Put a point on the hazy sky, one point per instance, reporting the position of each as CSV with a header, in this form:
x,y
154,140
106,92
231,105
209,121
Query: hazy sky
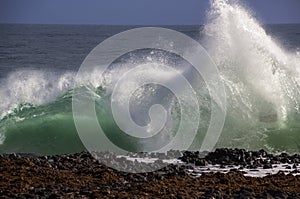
x,y
142,12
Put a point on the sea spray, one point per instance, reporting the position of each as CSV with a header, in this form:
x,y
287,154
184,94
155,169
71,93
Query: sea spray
x,y
262,78
33,86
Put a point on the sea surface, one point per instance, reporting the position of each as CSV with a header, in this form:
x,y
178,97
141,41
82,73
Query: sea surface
x,y
259,66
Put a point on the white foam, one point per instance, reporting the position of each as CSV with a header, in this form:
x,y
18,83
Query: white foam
x,y
33,86
255,68
198,171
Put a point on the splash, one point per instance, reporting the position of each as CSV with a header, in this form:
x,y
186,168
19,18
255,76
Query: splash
x,y
261,77
34,86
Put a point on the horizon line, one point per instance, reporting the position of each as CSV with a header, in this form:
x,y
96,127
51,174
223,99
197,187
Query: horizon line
x,y
95,24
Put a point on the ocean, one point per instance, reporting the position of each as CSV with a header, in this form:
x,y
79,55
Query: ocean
x,y
258,64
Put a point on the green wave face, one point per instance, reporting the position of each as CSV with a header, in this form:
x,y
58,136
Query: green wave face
x,y
45,129
50,129
47,134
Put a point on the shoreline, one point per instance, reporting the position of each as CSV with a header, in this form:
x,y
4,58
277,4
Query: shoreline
x,y
82,176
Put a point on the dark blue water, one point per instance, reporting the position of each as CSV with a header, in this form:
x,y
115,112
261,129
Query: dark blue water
x,y
64,47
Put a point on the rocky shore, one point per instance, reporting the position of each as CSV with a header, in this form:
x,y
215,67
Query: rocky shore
x,y
82,176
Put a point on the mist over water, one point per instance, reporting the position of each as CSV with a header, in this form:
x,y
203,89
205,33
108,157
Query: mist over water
x,y
261,77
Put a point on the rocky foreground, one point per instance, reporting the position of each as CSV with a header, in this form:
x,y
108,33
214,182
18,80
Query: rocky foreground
x,y
82,176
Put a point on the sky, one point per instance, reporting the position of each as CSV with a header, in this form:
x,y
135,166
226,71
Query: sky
x,y
135,12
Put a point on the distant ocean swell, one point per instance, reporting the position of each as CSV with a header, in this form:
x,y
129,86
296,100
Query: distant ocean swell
x,y
262,82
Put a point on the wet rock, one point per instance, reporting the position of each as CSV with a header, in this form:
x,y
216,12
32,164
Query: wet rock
x,y
288,167
294,166
267,166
